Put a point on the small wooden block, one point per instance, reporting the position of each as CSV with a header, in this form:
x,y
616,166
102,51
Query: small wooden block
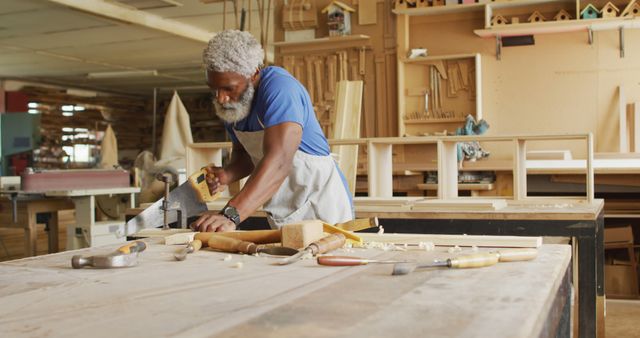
x,y
179,238
300,235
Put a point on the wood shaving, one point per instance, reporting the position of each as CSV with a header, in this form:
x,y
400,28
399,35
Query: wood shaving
x,y
227,258
426,246
380,230
454,249
238,265
474,248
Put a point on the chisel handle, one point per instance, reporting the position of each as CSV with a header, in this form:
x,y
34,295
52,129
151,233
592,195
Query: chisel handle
x,y
515,255
253,236
135,246
326,244
474,261
229,244
196,244
341,261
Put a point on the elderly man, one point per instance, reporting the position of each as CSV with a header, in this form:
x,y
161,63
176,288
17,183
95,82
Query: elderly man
x,y
276,139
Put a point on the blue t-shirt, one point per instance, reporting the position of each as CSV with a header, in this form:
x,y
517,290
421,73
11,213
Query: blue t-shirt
x,y
281,98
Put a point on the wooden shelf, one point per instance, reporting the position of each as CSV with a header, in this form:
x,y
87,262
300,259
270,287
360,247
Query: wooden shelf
x,y
328,41
559,27
440,10
433,58
435,120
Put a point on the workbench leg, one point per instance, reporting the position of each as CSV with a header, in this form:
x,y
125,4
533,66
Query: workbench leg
x,y
31,232
53,232
587,289
600,305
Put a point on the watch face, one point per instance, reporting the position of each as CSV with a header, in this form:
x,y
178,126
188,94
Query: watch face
x,y
231,213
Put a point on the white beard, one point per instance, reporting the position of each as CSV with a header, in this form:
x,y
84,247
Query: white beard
x,y
231,112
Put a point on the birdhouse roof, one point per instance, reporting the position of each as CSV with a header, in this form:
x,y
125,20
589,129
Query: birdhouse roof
x,y
538,14
610,4
631,5
589,6
499,17
562,11
339,4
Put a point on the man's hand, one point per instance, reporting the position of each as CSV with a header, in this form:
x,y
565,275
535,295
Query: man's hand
x,y
217,179
211,221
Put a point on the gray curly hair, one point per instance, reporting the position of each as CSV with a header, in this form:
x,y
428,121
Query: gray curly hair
x,y
233,51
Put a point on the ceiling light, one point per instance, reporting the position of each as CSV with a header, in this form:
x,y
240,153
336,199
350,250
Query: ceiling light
x,y
33,111
32,105
67,113
121,74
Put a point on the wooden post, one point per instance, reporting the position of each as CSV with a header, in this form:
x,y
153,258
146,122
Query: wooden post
x,y
519,170
447,170
380,163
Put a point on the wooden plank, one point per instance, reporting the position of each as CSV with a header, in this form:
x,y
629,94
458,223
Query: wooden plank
x,y
622,121
519,170
635,118
475,204
447,170
367,12
348,111
452,240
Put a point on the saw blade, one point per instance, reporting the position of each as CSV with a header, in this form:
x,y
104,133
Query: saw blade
x,y
153,216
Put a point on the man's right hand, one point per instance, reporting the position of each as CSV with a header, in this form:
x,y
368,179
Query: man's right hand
x,y
217,179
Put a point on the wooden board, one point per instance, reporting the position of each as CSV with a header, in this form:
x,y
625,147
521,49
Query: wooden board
x,y
475,204
367,12
459,240
348,111
206,296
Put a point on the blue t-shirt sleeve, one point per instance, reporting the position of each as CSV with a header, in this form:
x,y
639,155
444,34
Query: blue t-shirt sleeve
x,y
282,102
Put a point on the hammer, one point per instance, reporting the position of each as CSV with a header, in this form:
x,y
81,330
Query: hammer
x,y
126,255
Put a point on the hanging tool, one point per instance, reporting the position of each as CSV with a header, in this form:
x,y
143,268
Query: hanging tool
x,y
326,244
192,247
470,261
126,255
354,261
191,197
228,244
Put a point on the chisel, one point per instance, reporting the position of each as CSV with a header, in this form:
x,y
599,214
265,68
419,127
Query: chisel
x,y
470,261
192,247
326,244
353,261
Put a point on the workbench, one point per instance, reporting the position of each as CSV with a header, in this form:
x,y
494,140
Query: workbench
x,y
206,296
87,232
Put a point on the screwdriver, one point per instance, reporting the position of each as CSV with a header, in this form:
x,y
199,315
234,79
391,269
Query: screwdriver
x,y
326,244
470,261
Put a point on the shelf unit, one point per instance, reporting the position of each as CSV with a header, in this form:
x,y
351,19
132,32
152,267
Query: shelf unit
x,y
450,85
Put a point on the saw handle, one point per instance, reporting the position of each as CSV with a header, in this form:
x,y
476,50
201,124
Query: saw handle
x,y
341,261
515,255
228,244
198,182
135,246
326,244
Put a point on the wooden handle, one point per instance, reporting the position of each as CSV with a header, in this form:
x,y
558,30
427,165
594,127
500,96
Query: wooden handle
x,y
196,244
359,224
229,244
514,255
341,261
329,243
253,236
135,246
474,261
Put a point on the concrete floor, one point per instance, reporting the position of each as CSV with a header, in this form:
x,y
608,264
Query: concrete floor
x,y
622,318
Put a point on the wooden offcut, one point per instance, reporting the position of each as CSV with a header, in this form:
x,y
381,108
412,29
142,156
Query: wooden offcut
x,y
299,235
460,240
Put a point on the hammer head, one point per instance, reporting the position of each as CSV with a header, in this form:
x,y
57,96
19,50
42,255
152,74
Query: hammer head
x,y
105,261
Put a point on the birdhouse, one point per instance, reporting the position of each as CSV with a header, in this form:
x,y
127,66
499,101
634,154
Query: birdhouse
x,y
404,4
299,16
562,16
422,3
632,9
536,17
499,20
609,10
437,2
590,12
339,18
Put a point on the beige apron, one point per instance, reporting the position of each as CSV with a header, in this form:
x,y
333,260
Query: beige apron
x,y
313,189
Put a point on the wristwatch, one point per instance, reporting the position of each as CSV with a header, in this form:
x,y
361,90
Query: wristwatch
x,y
231,213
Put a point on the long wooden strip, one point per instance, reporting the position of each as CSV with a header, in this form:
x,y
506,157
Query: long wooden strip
x,y
452,240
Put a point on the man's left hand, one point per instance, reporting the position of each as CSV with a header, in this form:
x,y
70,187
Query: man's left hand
x,y
212,221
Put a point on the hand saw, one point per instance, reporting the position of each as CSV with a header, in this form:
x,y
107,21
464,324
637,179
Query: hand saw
x,y
190,198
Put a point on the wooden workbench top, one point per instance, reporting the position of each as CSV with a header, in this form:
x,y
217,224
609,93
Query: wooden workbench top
x,y
206,296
